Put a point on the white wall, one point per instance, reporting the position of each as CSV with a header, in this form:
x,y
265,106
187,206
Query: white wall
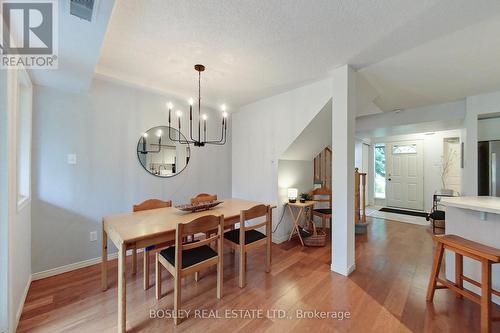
x,y
15,221
296,174
433,152
438,117
476,105
363,160
262,131
102,128
4,179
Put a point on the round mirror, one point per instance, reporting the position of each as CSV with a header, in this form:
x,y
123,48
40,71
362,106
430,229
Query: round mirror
x,y
160,152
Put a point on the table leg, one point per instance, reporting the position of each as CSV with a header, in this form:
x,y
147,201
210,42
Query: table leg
x,y
296,221
104,260
297,225
293,220
145,262
122,288
134,260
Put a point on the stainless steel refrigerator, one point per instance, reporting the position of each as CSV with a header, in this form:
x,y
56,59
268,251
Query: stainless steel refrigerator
x,y
488,163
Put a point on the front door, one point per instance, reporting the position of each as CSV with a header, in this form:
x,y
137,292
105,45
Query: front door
x,y
404,175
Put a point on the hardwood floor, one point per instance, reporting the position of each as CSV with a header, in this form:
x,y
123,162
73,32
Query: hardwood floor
x,y
386,293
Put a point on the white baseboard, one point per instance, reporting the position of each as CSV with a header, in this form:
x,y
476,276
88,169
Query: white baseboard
x,y
343,270
277,239
21,304
73,266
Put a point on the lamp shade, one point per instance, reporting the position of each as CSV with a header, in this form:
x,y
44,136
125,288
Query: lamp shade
x,y
293,193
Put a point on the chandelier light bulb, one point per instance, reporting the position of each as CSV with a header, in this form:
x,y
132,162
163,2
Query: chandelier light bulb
x,y
159,133
191,101
170,105
145,135
204,116
179,113
223,107
224,114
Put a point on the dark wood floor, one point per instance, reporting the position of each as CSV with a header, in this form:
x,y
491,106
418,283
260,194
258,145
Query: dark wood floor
x,y
386,293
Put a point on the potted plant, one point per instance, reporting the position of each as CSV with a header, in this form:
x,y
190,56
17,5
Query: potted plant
x,y
305,197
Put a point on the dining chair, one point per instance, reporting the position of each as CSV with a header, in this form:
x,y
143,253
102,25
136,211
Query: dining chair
x,y
188,258
203,197
324,213
199,198
147,205
246,238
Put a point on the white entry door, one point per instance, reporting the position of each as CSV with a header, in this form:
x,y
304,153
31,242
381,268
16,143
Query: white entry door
x,y
404,175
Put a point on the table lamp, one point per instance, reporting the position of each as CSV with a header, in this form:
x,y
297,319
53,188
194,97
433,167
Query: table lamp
x,y
292,195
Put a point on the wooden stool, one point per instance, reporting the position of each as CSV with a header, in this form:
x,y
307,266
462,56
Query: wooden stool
x,y
487,255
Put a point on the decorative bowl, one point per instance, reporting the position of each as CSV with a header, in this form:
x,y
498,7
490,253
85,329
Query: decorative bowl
x,y
199,206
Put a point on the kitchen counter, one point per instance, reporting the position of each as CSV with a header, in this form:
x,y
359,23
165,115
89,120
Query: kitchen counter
x,y
477,219
480,204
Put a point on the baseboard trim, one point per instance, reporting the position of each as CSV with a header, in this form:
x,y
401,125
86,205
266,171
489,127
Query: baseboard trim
x,y
343,270
21,304
71,267
277,239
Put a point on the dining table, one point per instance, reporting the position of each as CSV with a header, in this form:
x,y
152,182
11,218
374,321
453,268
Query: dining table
x,y
154,227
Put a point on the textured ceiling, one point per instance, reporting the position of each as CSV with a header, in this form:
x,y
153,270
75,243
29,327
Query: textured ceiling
x,y
254,49
460,64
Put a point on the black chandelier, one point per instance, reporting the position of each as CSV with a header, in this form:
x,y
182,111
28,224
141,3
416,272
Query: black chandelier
x,y
197,142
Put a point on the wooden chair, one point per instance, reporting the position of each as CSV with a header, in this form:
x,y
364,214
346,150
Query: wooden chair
x,y
246,238
487,255
188,258
324,213
203,197
147,205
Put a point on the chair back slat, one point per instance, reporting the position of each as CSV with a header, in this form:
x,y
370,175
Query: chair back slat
x,y
255,212
199,243
256,226
201,224
203,197
319,195
152,204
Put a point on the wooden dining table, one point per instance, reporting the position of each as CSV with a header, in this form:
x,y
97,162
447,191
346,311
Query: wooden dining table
x,y
153,227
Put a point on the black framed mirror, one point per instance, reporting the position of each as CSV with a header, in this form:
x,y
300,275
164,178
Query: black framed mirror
x,y
161,156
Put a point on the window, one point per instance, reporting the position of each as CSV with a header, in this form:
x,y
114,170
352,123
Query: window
x,y
404,149
379,171
23,142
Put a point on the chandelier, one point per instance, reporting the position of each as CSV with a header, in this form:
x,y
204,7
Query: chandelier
x,y
199,141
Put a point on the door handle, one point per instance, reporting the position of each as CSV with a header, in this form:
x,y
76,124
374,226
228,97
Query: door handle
x,y
389,179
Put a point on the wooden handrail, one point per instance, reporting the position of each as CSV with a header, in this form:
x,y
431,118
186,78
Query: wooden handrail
x,y
359,196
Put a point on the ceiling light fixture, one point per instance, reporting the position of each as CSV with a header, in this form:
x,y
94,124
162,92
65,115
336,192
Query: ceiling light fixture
x,y
198,142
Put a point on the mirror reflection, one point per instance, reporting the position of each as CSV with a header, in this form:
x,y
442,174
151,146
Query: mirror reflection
x,y
160,154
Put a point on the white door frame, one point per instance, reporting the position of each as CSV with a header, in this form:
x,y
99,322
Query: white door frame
x,y
402,200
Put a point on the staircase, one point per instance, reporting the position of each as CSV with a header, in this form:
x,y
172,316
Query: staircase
x,y
323,177
323,169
